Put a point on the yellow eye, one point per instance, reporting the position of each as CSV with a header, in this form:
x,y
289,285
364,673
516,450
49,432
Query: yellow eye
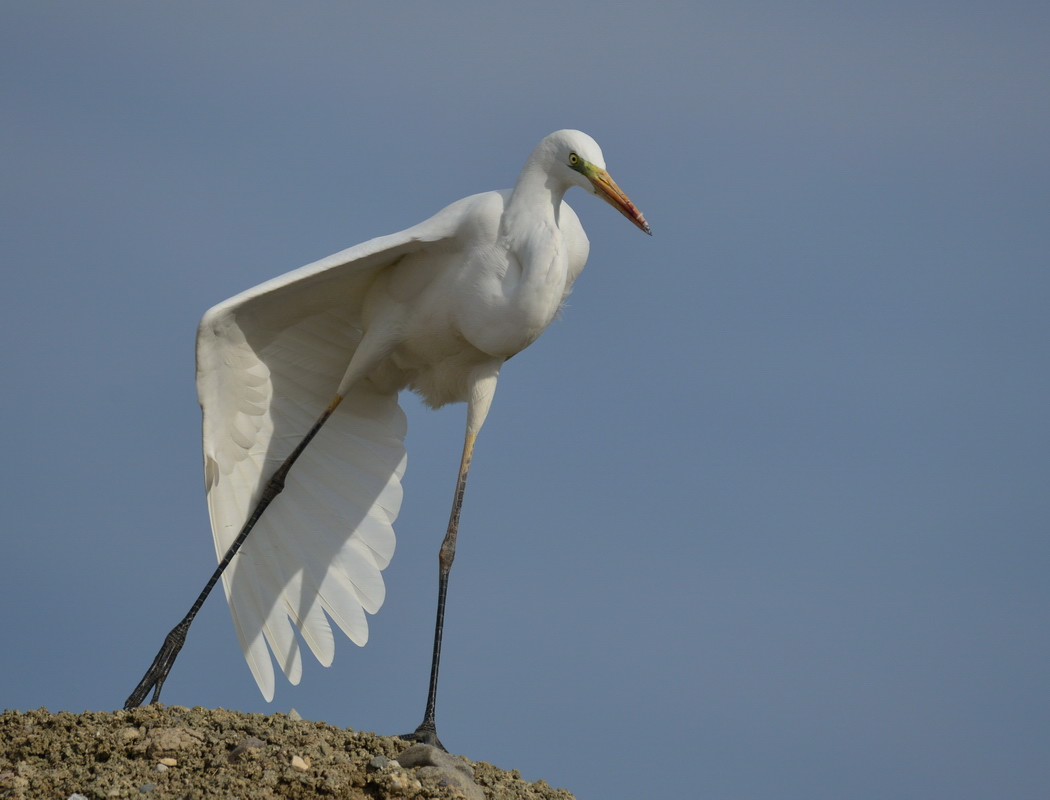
x,y
574,159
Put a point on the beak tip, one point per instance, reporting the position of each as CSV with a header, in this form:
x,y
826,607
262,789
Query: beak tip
x,y
605,187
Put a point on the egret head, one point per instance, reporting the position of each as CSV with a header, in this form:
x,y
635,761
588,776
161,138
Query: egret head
x,y
577,160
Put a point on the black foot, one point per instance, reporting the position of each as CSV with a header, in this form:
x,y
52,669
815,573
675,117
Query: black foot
x,y
424,734
159,669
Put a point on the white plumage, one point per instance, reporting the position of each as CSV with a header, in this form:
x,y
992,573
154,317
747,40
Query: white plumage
x,y
321,544
437,309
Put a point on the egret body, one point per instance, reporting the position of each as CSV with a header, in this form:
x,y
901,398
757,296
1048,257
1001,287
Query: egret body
x,y
305,369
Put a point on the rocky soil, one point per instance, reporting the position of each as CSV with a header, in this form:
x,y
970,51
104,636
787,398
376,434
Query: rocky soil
x,y
177,753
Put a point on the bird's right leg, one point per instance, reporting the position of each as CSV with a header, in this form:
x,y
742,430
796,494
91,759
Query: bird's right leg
x,y
482,389
376,345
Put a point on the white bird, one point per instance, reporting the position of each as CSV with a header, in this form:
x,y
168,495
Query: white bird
x,y
437,309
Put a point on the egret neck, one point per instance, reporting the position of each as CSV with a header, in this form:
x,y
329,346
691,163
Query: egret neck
x,y
537,275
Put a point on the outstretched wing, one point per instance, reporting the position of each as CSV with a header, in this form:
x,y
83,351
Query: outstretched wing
x,y
268,363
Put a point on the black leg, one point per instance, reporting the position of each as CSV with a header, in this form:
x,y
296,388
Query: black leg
x,y
427,730
161,666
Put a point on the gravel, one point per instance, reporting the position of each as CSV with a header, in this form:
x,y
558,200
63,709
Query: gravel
x,y
176,753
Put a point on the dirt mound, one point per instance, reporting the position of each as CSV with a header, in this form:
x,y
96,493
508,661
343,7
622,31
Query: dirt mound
x,y
177,753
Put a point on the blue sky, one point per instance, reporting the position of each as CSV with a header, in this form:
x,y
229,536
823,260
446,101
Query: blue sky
x,y
765,515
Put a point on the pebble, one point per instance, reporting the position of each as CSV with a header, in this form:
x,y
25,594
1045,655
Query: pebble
x,y
425,755
76,796
127,734
160,768
439,768
169,762
294,715
163,742
300,764
402,783
244,746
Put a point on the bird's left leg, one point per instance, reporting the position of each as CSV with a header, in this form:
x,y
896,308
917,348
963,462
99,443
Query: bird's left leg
x,y
378,342
482,388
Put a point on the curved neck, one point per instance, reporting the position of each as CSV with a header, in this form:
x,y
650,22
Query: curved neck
x,y
536,197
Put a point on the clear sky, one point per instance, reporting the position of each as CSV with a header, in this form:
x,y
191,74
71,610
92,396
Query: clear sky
x,y
765,515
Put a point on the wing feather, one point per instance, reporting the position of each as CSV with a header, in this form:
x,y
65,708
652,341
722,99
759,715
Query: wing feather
x,y
268,363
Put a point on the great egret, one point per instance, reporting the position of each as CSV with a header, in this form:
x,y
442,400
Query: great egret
x,y
437,309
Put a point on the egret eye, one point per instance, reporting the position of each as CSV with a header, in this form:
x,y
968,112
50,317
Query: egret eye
x,y
573,159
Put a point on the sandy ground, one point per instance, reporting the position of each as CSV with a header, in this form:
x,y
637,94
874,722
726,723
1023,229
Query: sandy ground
x,y
177,753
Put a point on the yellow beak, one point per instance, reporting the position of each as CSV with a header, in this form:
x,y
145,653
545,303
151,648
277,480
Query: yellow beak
x,y
607,189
